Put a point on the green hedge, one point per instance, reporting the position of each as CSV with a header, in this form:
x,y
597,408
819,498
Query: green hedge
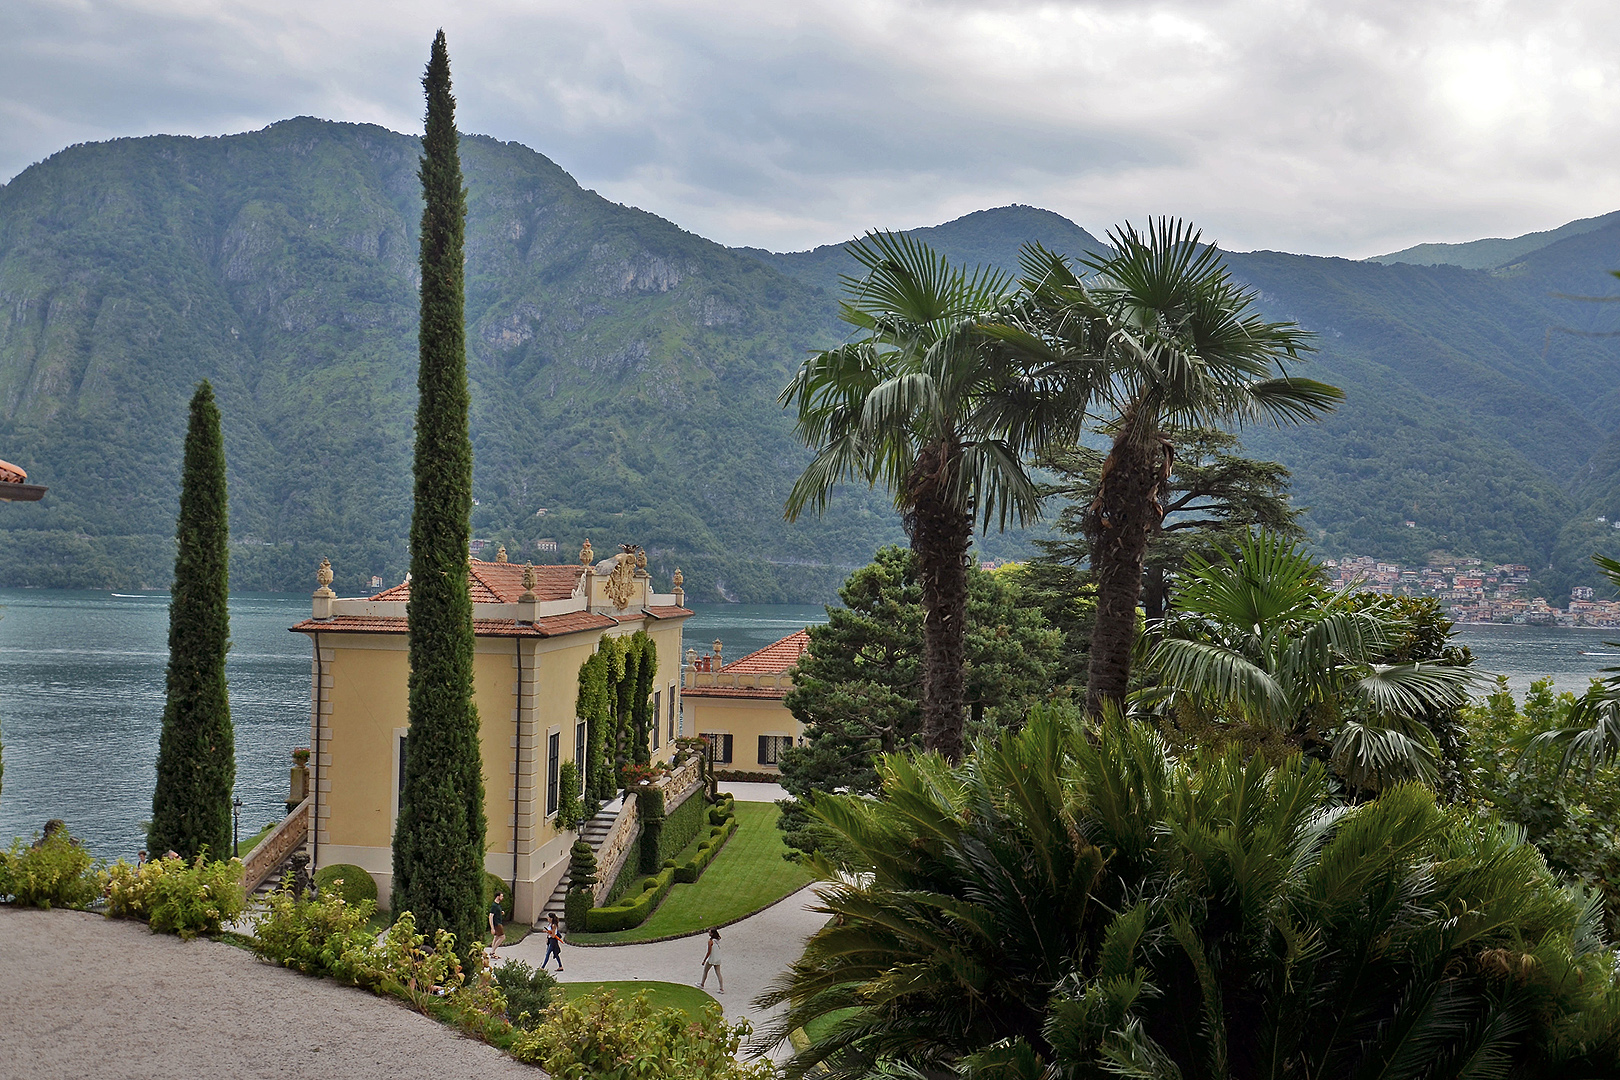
x,y
718,835
358,885
631,911
725,808
682,826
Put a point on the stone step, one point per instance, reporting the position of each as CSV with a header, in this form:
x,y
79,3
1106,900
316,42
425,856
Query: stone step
x,y
595,831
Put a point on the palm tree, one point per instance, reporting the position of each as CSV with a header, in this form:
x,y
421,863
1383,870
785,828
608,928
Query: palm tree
x,y
1163,337
1074,902
922,402
1593,732
1256,637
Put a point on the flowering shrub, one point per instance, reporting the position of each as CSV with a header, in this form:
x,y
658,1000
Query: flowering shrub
x,y
58,872
635,774
175,897
607,1037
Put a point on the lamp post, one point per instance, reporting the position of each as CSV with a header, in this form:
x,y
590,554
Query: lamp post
x,y
236,827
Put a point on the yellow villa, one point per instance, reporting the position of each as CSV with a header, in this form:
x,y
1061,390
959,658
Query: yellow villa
x,y
535,626
738,706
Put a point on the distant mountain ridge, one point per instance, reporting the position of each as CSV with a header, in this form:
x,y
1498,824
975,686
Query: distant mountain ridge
x,y
1493,252
625,373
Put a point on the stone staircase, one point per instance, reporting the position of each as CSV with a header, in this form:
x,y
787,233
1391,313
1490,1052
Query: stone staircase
x,y
595,831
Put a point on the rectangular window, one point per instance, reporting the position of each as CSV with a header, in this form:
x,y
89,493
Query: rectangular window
x,y
399,792
672,711
719,746
658,707
771,747
579,749
553,762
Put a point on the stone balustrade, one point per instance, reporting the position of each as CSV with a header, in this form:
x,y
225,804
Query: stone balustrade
x,y
273,850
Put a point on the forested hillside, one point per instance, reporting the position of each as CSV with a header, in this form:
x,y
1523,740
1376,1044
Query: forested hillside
x,y
1483,405
625,372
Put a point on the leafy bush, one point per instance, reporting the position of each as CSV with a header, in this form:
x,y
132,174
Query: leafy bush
x,y
351,882
322,936
633,910
176,897
529,992
410,971
56,872
1573,817
606,1037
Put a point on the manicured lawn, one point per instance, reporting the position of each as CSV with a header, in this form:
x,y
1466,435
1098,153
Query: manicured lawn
x,y
747,875
662,995
248,843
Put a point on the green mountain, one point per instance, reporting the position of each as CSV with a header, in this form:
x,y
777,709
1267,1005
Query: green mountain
x,y
1491,253
1483,406
625,373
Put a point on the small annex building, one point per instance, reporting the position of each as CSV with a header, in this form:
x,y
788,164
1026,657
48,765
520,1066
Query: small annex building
x,y
738,707
534,627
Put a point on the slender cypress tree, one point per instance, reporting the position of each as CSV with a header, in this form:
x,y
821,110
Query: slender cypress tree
x,y
196,766
439,839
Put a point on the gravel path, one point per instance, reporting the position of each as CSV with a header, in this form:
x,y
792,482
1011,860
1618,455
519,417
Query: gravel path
x,y
755,951
90,998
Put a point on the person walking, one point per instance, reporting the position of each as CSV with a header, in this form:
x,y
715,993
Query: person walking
x,y
711,959
554,938
497,923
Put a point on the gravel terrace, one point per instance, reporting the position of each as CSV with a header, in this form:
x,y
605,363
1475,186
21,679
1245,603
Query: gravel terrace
x,y
91,998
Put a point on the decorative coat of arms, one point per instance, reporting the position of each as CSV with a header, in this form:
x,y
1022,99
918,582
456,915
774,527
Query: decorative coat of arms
x,y
621,583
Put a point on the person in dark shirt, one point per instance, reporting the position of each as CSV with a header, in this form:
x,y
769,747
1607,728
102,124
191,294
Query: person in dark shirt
x,y
497,924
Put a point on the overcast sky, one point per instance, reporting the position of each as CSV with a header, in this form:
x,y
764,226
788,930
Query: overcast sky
x,y
1344,127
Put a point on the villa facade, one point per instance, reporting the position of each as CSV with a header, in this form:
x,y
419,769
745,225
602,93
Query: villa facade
x,y
739,706
534,627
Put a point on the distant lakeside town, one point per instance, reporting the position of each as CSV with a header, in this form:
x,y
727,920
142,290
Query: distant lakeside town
x,y
1471,592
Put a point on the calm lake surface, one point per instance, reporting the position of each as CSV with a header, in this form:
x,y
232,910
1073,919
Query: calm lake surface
x,y
81,696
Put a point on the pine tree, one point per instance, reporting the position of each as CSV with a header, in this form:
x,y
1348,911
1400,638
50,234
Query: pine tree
x,y
196,766
439,839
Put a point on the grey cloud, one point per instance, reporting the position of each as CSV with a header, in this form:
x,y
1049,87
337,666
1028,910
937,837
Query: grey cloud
x,y
1350,127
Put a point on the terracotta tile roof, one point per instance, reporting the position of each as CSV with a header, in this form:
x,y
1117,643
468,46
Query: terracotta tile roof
x,y
733,692
661,611
772,659
572,622
502,583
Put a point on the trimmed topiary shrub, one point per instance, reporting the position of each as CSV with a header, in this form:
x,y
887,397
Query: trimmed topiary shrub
x,y
650,809
348,881
633,910
690,871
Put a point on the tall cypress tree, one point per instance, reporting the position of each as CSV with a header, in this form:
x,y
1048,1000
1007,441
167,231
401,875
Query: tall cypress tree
x,y
196,766
439,837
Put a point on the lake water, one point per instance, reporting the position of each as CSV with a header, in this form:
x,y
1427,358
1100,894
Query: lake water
x,y
81,696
